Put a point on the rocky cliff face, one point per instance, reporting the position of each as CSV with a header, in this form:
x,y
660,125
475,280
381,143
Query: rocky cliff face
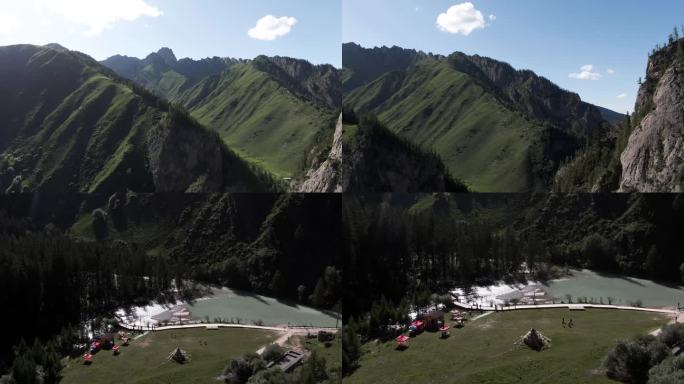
x,y
653,160
319,84
376,160
184,159
325,178
534,95
162,73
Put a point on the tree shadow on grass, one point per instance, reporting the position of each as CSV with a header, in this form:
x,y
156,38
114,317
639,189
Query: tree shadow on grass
x,y
250,295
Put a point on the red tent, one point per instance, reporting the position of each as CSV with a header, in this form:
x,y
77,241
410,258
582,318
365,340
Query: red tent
x,y
116,349
95,346
87,358
402,341
419,324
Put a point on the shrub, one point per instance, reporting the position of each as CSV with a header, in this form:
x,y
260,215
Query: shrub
x,y
630,360
272,352
672,335
670,371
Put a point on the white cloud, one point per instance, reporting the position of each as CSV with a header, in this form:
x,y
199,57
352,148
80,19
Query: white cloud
x,y
586,73
8,23
492,17
622,96
610,71
270,27
99,15
461,19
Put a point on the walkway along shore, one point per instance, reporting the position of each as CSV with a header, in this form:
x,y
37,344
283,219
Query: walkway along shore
x,y
569,306
298,329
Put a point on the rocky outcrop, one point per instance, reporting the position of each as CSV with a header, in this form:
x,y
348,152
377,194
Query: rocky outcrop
x,y
653,160
534,95
319,84
184,159
326,177
149,71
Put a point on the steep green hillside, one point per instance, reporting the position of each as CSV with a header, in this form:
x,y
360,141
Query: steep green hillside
x,y
70,124
496,128
376,160
264,121
273,111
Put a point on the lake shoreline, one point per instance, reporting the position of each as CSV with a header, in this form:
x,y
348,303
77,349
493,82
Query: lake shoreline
x,y
580,286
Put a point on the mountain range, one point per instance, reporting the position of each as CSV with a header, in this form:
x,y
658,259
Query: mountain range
x,y
497,128
72,124
276,112
433,123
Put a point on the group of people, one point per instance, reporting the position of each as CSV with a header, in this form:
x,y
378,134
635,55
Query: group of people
x,y
570,323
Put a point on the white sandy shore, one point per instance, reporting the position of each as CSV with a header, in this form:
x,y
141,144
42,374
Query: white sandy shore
x,y
487,295
142,316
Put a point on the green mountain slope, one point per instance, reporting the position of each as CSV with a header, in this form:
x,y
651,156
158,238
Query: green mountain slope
x,y
496,128
273,111
70,124
376,160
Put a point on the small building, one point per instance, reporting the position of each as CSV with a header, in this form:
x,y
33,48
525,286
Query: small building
x,y
288,361
433,320
107,341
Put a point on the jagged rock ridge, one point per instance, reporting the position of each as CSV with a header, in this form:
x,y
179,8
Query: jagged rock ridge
x,y
325,178
653,160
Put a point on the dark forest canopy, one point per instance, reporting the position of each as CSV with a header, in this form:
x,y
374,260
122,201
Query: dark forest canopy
x,y
70,258
400,246
270,243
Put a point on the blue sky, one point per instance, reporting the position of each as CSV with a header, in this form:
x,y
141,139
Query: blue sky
x,y
551,37
308,29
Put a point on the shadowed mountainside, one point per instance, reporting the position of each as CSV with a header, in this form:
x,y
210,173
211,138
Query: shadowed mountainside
x,y
70,124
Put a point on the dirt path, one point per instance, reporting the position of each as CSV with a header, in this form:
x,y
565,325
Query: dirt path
x,y
679,319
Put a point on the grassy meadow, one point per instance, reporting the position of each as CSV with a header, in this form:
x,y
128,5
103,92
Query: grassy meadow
x,y
485,350
145,360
